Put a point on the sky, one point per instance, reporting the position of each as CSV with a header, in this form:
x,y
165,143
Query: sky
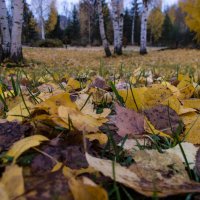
x,y
127,2
166,2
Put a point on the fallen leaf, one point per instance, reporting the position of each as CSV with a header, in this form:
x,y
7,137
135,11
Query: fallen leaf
x,y
134,144
191,103
3,193
23,145
11,132
73,84
100,96
80,121
134,98
101,137
99,82
88,190
20,111
49,186
190,152
128,122
164,119
186,87
51,105
192,127
176,92
149,128
150,174
85,104
13,182
47,87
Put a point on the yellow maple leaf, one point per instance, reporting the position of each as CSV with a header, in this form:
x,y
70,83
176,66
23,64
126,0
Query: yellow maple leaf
x,y
51,105
85,104
101,137
192,127
73,84
23,145
191,103
134,98
186,87
20,111
80,121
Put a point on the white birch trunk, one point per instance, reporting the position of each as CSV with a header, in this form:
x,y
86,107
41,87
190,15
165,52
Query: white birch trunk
x,y
16,45
121,25
89,29
143,35
42,29
102,29
133,23
118,22
4,30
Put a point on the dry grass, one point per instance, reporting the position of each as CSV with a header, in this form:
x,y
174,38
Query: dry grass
x,y
88,57
81,60
75,61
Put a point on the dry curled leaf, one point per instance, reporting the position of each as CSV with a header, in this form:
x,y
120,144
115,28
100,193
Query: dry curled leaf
x,y
153,172
190,152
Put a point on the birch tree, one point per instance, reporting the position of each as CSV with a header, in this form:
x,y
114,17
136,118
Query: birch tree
x,y
41,10
11,40
133,22
16,33
118,22
102,29
5,32
143,35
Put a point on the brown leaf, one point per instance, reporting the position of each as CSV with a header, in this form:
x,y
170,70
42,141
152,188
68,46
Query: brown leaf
x,y
99,82
68,150
48,187
11,132
163,118
128,122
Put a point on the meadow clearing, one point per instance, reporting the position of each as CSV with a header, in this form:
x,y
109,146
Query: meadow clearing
x,y
83,125
75,59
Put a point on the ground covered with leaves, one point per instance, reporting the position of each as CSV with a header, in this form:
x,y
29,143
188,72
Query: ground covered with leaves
x,y
101,132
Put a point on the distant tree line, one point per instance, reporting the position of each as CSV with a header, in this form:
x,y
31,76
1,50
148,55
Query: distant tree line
x,y
94,22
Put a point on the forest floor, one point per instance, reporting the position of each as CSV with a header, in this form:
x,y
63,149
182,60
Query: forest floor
x,y
75,125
